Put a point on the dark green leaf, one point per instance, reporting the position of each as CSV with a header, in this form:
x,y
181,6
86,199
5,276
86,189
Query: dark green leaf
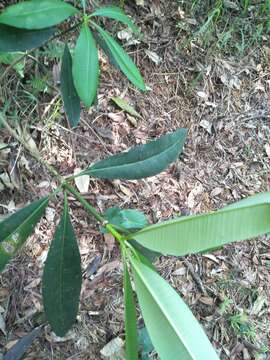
x,y
174,331
85,66
190,234
149,254
116,13
145,343
37,14
130,319
141,161
68,91
13,39
123,60
106,49
15,229
62,277
17,351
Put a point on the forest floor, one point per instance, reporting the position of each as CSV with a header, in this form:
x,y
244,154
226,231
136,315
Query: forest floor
x,y
224,101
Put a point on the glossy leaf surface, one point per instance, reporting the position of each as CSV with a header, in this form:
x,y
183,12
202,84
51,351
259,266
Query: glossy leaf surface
x,y
174,331
15,229
37,14
13,39
123,60
62,278
85,66
130,319
68,91
129,219
114,12
190,234
141,161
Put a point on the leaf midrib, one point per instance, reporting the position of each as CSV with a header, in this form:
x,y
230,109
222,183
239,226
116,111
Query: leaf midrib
x,y
189,218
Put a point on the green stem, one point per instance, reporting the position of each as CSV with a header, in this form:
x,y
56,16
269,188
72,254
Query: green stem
x,y
90,209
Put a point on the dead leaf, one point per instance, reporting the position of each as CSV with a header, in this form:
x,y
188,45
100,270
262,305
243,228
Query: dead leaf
x,y
82,182
109,241
114,350
153,56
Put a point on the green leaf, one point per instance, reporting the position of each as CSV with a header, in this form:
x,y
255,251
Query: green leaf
x,y
149,254
116,13
68,91
85,66
123,60
62,277
126,219
13,39
10,58
37,14
174,331
191,234
15,229
124,105
141,161
130,318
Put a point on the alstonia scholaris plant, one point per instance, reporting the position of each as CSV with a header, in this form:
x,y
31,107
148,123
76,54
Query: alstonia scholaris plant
x,y
173,329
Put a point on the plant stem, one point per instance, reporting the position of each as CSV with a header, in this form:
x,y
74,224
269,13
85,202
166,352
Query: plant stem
x,y
34,154
99,217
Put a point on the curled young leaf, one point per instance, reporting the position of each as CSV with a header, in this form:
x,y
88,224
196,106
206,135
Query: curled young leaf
x,y
141,161
37,14
123,60
190,234
13,39
174,331
62,277
85,66
15,229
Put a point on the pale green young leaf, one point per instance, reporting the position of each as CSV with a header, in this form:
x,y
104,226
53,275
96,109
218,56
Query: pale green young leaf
x,y
174,331
124,105
130,318
13,39
62,277
15,229
68,91
85,66
122,59
37,14
141,161
114,12
191,234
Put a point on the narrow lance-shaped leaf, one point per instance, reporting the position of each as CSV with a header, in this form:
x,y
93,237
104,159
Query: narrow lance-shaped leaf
x,y
85,66
190,234
15,229
37,14
123,60
174,331
13,39
130,318
62,277
68,91
114,12
141,161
